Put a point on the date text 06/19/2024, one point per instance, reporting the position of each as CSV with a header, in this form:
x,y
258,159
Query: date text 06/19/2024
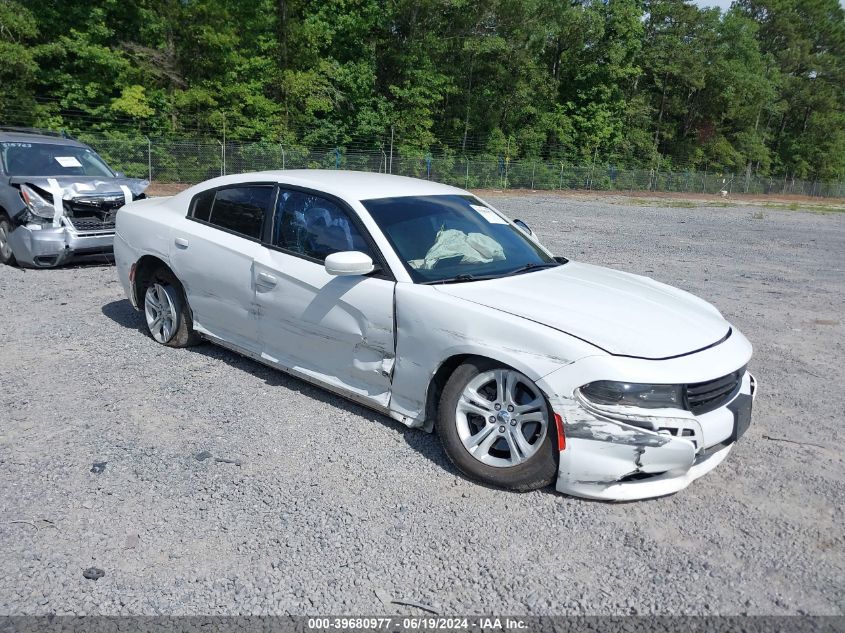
x,y
420,623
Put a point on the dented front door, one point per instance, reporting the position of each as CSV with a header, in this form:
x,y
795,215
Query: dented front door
x,y
336,329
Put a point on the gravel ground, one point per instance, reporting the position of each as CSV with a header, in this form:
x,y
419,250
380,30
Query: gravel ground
x,y
231,488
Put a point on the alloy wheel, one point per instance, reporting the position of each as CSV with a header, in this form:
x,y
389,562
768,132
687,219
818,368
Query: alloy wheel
x,y
501,418
160,312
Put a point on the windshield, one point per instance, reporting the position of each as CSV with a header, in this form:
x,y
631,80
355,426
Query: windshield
x,y
454,238
50,159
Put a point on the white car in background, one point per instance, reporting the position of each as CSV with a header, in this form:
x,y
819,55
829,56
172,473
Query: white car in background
x,y
423,302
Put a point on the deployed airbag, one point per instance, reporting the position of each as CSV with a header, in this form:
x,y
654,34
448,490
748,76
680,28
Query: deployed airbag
x,y
473,248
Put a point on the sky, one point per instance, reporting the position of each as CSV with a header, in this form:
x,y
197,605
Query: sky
x,y
723,4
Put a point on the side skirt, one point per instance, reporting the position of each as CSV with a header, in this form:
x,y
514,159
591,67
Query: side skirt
x,y
354,397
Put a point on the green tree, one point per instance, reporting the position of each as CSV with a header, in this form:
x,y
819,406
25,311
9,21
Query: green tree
x,y
657,83
18,68
806,40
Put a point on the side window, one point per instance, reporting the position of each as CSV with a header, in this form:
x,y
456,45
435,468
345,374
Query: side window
x,y
202,205
237,209
314,226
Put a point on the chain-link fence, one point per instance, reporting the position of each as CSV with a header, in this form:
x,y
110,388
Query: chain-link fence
x,y
192,161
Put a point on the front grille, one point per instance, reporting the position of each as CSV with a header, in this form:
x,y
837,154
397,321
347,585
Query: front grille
x,y
93,224
94,213
702,397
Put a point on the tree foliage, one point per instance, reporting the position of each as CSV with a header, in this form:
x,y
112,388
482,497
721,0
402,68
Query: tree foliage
x,y
759,88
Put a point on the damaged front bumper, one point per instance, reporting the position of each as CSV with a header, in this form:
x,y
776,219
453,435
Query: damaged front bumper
x,y
45,246
81,218
618,455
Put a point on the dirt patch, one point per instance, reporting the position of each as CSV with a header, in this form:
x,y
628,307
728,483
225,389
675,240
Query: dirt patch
x,y
166,188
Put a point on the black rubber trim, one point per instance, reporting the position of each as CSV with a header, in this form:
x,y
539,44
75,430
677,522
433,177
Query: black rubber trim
x,y
695,351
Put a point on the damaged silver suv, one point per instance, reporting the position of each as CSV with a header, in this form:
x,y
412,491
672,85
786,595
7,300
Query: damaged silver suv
x,y
58,198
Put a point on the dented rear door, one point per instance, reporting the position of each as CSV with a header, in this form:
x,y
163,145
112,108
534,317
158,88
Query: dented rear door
x,y
336,329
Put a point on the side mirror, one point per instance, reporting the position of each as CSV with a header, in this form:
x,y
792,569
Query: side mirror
x,y
119,174
349,263
524,227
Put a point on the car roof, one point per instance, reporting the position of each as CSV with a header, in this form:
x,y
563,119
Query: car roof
x,y
354,185
30,137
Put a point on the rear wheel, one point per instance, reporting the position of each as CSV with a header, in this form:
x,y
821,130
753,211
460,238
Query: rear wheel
x,y
166,311
495,426
6,256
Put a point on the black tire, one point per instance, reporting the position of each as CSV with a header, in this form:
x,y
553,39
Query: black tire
x,y
184,334
6,256
538,471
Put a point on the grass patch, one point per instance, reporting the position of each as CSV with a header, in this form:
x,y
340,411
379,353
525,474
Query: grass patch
x,y
810,207
655,202
674,204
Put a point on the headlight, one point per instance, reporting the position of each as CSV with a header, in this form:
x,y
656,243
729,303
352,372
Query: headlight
x,y
629,394
37,205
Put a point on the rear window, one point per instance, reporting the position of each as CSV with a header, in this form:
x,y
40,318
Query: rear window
x,y
202,205
238,210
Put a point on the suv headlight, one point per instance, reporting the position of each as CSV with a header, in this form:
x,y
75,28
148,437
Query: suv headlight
x,y
608,392
37,205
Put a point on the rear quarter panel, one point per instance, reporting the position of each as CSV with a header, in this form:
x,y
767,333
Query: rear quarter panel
x,y
141,228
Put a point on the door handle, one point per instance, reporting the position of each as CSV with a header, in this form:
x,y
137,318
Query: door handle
x,y
181,242
266,280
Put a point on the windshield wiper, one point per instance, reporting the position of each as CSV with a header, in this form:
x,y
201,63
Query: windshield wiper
x,y
467,277
454,280
530,267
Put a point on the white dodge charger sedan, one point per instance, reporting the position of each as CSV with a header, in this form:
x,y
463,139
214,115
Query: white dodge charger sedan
x,y
425,303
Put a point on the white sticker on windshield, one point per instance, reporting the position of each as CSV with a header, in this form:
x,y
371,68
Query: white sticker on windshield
x,y
488,214
68,161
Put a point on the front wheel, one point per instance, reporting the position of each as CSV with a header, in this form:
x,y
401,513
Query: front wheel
x,y
495,426
166,311
6,255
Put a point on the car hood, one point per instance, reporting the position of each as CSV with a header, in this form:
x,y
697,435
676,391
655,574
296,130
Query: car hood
x,y
80,186
621,313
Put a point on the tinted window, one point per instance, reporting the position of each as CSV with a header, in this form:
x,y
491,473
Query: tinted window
x,y
314,226
240,209
202,205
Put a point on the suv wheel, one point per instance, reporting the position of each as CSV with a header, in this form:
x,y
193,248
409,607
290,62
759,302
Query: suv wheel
x,y
6,256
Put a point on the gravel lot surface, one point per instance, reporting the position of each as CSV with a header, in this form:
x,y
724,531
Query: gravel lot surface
x,y
227,487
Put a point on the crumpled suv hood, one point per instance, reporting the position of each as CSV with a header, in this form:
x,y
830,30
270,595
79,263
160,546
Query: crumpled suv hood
x,y
76,186
621,313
